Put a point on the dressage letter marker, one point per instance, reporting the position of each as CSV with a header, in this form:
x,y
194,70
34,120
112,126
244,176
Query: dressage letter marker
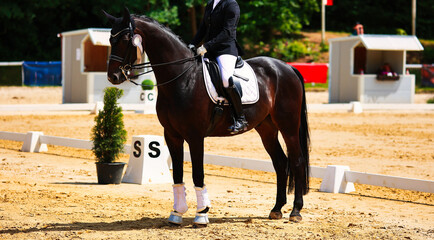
x,y
148,161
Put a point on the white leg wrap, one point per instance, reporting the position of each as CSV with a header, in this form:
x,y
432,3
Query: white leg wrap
x,y
202,198
180,202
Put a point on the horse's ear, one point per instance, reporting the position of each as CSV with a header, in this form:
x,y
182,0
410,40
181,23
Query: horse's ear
x,y
109,17
126,18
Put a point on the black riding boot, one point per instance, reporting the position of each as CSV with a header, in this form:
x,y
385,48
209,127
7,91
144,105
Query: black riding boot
x,y
234,97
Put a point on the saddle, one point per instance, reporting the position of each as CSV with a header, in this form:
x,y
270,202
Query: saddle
x,y
243,77
214,72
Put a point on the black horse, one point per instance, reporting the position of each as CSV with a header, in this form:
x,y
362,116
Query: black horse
x,y
185,110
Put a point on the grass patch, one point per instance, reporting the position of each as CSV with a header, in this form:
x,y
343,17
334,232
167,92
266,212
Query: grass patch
x,y
316,87
424,89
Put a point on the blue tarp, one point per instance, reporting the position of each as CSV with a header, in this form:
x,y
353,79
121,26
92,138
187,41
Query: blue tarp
x,y
42,73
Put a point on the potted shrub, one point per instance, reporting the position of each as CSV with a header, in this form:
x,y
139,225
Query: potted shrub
x,y
109,137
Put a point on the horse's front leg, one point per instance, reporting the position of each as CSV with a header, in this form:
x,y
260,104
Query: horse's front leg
x,y
176,148
203,202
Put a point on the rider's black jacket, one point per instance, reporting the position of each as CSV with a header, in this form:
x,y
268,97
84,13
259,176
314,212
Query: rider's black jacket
x,y
218,29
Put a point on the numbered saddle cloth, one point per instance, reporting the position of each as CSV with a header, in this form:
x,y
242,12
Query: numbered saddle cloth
x,y
243,76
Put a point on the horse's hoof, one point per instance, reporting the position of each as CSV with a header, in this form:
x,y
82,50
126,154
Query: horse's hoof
x,y
275,215
201,220
295,218
175,219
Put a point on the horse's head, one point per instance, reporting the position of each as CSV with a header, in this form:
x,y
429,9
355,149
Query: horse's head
x,y
124,47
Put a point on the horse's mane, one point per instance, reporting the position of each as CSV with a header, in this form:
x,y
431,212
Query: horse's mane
x,y
161,26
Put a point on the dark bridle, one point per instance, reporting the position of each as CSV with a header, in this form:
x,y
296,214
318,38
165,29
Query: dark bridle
x,y
126,62
114,38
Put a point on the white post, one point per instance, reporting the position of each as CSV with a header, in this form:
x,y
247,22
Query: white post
x,y
413,17
32,143
148,161
334,180
356,107
323,4
98,106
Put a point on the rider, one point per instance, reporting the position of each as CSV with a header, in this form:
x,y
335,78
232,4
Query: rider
x,y
218,30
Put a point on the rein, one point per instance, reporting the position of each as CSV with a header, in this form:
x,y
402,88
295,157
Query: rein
x,y
156,85
127,68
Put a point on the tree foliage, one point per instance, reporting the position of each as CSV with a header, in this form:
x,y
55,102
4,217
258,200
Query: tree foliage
x,y
379,17
109,134
28,28
261,20
161,11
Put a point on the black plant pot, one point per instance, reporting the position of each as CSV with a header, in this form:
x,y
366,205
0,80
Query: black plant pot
x,y
110,173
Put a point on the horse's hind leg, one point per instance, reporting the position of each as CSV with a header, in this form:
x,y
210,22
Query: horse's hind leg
x,y
269,135
296,166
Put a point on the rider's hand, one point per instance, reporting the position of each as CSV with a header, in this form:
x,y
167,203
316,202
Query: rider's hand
x,y
201,50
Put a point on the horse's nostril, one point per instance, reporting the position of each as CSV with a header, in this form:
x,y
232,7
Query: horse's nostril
x,y
114,78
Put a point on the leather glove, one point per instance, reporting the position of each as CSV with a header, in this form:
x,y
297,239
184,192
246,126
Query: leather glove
x,y
192,48
201,50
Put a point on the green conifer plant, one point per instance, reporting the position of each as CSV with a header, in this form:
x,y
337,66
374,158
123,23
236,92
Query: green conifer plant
x,y
109,134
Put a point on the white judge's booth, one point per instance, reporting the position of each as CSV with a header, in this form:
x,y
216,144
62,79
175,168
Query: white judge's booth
x,y
85,56
356,63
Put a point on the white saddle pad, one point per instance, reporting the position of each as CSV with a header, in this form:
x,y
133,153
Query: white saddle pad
x,y
249,84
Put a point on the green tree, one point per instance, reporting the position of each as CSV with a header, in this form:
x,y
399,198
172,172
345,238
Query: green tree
x,y
192,5
378,17
161,11
28,28
261,20
109,134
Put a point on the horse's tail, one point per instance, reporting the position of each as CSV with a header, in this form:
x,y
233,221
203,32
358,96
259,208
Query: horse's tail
x,y
304,139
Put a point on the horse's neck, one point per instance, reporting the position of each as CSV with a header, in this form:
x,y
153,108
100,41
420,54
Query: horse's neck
x,y
161,47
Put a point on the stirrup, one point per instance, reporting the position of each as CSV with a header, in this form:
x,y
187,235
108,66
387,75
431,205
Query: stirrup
x,y
201,219
240,125
175,218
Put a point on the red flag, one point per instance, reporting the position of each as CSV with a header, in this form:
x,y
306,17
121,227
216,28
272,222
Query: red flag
x,y
328,2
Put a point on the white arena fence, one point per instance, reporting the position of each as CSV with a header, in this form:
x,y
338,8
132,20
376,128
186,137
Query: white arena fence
x,y
334,178
355,107
92,107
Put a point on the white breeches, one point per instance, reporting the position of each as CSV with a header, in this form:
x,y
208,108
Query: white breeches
x,y
227,67
180,201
